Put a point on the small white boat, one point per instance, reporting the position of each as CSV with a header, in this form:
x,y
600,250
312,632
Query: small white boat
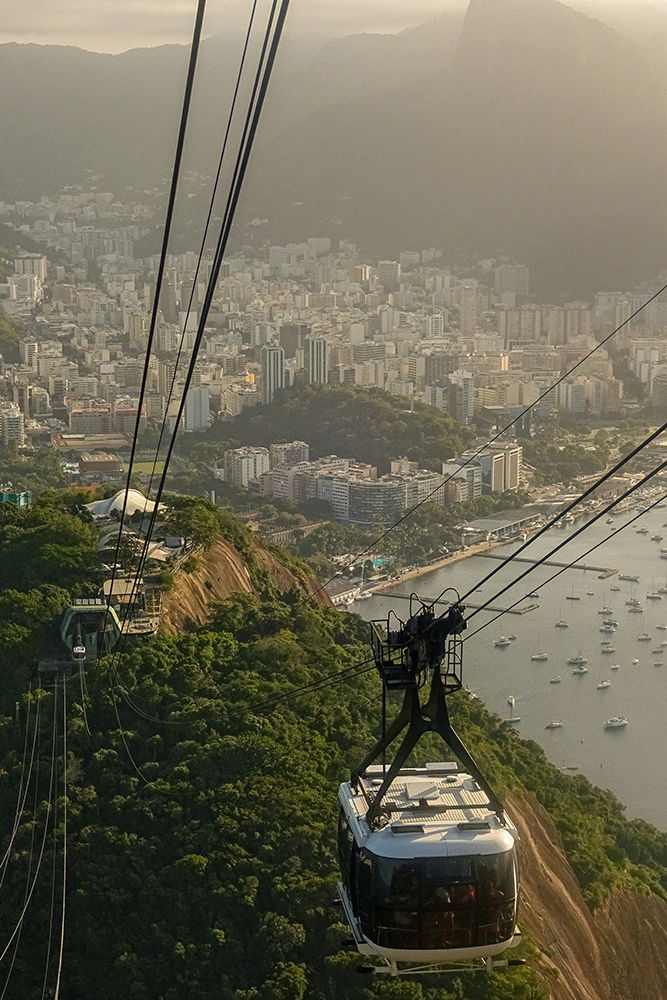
x,y
577,660
644,637
657,663
654,597
615,666
635,661
607,628
657,651
603,684
610,621
510,699
616,590
616,722
554,724
663,628
656,538
511,638
539,656
610,520
502,641
562,624
607,649
555,680
604,610
636,609
642,531
630,579
580,670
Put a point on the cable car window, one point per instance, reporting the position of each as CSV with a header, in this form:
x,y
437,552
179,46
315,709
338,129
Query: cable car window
x,y
436,903
496,875
396,882
345,845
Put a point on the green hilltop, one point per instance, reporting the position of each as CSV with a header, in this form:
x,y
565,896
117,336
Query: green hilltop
x,y
201,803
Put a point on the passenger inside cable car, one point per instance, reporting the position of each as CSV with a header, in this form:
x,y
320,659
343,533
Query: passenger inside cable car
x,y
430,903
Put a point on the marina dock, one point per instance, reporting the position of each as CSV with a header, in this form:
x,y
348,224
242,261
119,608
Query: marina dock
x,y
519,610
603,571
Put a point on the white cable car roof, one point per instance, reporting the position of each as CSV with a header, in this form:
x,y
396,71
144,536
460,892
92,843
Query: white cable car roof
x,y
465,825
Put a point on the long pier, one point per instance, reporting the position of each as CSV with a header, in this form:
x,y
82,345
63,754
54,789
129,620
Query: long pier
x,y
522,610
604,571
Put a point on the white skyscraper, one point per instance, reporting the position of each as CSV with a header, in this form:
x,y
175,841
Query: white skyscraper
x,y
273,372
197,408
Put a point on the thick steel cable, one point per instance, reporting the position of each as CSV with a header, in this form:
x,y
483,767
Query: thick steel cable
x,y
260,88
30,857
23,790
180,144
62,919
246,138
46,826
342,675
602,479
202,249
52,910
562,569
84,695
490,441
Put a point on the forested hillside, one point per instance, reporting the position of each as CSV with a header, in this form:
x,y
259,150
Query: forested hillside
x,y
201,804
367,424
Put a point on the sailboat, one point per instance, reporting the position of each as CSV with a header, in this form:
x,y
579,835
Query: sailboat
x,y
572,597
539,656
511,702
561,623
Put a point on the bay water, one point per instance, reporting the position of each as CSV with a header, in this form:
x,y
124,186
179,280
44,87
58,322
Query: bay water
x,y
631,761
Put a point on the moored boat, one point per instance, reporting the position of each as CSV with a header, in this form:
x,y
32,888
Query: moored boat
x,y
616,722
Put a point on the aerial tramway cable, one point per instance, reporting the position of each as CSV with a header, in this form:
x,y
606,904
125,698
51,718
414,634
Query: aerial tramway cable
x,y
180,144
260,87
62,918
569,565
202,249
591,489
46,826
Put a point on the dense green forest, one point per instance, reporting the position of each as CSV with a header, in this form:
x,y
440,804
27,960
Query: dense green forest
x,y
201,804
367,424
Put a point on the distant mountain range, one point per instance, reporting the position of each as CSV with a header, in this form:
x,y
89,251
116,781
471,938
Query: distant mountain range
x,y
524,128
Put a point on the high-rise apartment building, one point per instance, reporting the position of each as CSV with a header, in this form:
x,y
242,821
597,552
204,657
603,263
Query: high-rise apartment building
x,y
197,408
31,263
316,358
273,372
288,454
13,425
242,465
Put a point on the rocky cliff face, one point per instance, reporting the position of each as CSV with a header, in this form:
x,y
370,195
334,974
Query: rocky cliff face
x,y
222,571
618,953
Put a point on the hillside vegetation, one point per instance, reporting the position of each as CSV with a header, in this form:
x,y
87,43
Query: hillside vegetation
x,y
367,424
202,805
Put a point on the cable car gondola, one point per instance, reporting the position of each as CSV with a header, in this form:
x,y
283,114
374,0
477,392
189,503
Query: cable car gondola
x,y
428,855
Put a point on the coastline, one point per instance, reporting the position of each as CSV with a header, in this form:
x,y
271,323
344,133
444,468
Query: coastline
x,y
412,574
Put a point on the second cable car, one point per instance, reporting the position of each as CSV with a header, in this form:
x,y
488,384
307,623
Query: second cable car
x,y
428,855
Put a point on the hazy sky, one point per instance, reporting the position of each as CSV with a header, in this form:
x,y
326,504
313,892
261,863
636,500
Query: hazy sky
x,y
116,25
